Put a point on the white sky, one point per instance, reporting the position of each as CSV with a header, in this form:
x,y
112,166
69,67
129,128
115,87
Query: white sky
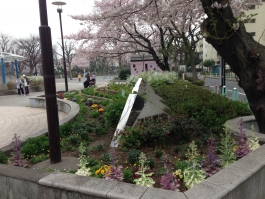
x,y
20,18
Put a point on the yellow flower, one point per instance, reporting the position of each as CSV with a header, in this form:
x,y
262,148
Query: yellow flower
x,y
102,172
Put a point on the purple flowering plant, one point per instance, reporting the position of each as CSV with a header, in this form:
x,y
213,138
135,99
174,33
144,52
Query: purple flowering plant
x,y
211,164
115,171
17,158
242,146
169,180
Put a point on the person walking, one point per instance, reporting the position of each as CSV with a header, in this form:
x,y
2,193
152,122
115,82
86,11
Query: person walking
x,y
26,84
79,77
20,89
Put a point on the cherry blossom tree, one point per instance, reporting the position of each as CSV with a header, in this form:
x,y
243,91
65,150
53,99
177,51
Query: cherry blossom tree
x,y
112,30
128,25
81,61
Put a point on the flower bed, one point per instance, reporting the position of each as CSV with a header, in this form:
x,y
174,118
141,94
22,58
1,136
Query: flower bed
x,y
153,153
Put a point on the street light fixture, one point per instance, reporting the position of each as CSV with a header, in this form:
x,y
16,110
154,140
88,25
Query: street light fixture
x,y
60,10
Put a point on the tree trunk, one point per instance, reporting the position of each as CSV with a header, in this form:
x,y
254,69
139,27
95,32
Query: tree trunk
x,y
245,56
70,72
193,68
162,66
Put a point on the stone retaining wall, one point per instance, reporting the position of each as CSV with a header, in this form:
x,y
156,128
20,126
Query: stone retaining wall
x,y
243,179
69,107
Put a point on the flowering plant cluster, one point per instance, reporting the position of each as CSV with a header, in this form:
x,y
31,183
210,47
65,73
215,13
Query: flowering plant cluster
x,y
211,164
169,180
115,171
102,170
60,95
17,158
144,178
227,148
154,78
99,108
83,169
193,174
241,142
253,140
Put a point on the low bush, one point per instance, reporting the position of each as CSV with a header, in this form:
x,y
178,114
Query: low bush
x,y
11,85
201,105
124,73
65,130
3,158
35,146
198,83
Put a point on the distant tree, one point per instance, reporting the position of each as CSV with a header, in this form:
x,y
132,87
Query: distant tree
x,y
6,42
69,52
208,62
29,48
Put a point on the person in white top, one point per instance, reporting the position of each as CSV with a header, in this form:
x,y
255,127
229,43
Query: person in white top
x,y
20,89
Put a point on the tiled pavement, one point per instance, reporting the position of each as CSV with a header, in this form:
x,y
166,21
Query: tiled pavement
x,y
16,117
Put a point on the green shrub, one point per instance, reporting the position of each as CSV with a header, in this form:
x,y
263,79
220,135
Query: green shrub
x,y
158,153
190,79
65,130
3,158
182,165
128,175
11,85
133,156
105,102
106,159
74,140
150,163
100,130
200,105
198,83
92,162
88,91
114,111
38,158
98,147
35,146
124,73
94,114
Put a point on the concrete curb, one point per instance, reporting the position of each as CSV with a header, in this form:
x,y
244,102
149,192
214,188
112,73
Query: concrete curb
x,y
249,120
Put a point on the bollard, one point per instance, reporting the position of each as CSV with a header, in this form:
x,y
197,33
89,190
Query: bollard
x,y
215,88
216,75
208,86
183,76
235,94
224,91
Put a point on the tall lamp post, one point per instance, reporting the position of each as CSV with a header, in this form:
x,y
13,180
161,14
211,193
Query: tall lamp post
x,y
49,85
60,10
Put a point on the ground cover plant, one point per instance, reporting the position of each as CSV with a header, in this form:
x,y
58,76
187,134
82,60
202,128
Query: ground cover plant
x,y
173,151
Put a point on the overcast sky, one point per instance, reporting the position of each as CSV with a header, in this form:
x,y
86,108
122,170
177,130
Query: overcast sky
x,y
20,18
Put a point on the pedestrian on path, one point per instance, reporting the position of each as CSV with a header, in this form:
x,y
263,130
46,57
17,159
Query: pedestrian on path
x,y
79,77
26,84
20,89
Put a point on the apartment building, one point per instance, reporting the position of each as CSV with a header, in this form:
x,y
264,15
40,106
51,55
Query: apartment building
x,y
255,27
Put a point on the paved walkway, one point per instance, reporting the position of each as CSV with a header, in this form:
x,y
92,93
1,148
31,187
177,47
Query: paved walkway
x,y
17,117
